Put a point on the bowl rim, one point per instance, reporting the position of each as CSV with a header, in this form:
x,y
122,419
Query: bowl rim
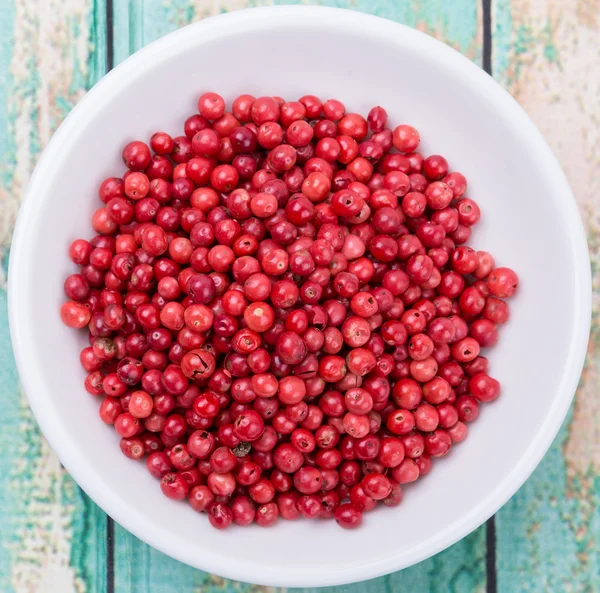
x,y
47,414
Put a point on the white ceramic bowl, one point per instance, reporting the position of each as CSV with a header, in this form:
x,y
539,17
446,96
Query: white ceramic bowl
x,y
530,222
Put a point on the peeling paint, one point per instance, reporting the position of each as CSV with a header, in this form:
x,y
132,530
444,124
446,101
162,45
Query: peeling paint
x,y
546,52
40,90
46,520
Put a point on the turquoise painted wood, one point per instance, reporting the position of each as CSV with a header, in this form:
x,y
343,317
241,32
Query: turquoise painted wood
x,y
141,569
52,536
139,22
548,533
458,23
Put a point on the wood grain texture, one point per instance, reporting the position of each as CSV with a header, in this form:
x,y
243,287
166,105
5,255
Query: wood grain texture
x,y
142,569
458,23
53,538
546,53
139,568
51,534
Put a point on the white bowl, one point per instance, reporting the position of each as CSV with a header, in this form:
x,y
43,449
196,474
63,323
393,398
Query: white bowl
x,y
530,222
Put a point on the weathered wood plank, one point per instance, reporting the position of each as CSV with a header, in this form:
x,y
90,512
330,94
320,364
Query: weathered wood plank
x,y
139,22
141,569
459,569
138,568
546,53
52,536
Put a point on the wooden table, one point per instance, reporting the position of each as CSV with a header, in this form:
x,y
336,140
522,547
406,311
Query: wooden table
x,y
54,539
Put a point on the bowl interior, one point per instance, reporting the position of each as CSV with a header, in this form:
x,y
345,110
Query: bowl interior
x,y
528,223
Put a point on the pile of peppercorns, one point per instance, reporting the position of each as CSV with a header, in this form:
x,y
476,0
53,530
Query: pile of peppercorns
x,y
283,313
